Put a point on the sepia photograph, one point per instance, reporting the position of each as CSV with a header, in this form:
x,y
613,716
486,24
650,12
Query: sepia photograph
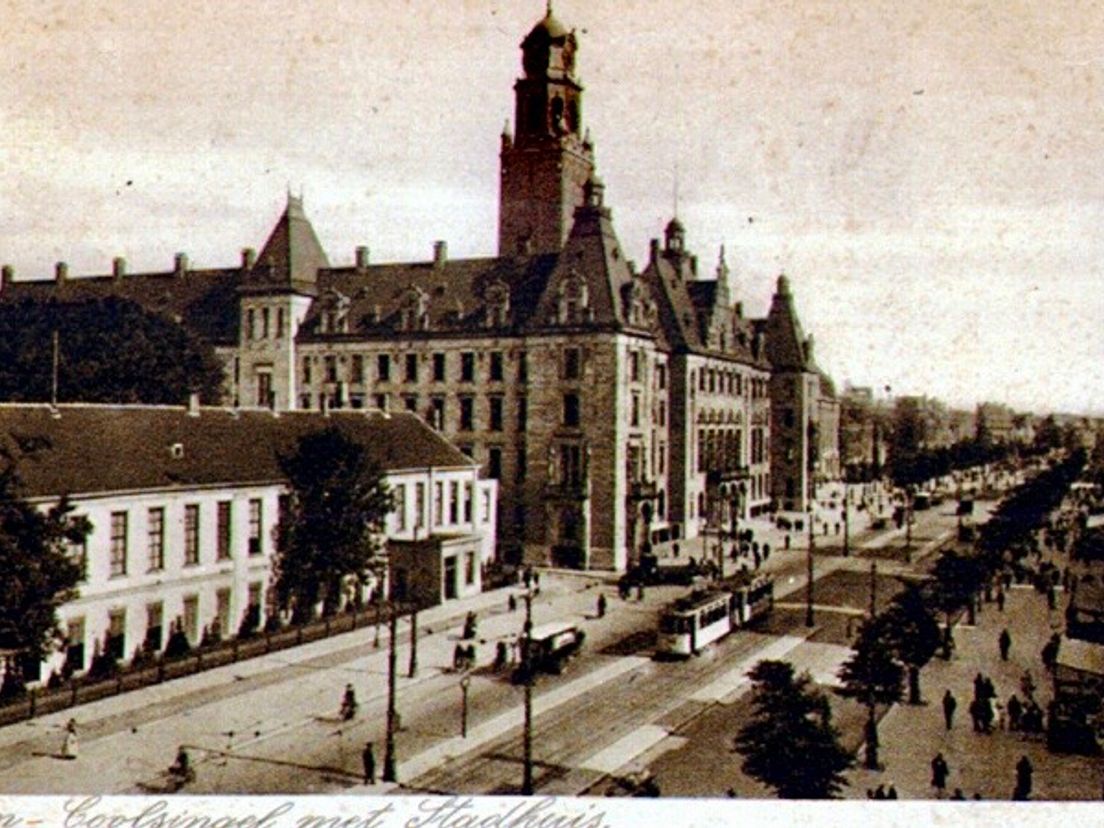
x,y
519,413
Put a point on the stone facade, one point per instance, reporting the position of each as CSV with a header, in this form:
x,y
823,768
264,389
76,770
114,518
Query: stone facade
x,y
615,408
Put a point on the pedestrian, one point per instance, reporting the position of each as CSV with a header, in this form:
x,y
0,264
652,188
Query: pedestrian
x,y
69,746
786,539
975,713
1005,643
1015,711
1052,597
892,792
949,706
1000,599
511,603
501,655
368,757
766,551
640,591
1024,771
879,792
601,606
940,771
675,549
958,795
536,581
979,686
996,713
1050,652
527,577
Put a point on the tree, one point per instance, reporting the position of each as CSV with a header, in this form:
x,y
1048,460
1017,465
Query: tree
x,y
789,744
109,350
874,677
955,580
913,633
40,573
331,526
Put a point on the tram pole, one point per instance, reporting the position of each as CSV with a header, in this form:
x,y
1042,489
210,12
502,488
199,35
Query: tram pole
x,y
390,773
809,621
527,735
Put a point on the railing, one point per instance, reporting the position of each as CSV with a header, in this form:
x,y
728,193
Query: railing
x,y
84,689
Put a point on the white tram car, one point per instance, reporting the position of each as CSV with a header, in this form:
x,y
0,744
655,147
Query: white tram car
x,y
693,622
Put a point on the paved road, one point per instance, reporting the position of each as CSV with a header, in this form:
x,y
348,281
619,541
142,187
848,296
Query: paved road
x,y
271,725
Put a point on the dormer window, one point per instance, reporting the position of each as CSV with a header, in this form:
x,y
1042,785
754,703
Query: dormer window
x,y
573,300
414,315
497,299
335,313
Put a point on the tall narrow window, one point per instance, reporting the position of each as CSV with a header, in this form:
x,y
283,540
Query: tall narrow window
x,y
255,519
358,369
419,505
118,544
155,530
383,367
411,367
399,500
224,530
494,462
496,366
454,502
523,368
571,363
522,413
467,367
191,534
571,410
438,367
495,404
306,370
438,504
467,414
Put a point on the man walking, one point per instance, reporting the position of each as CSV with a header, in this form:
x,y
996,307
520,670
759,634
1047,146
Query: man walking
x,y
949,705
939,774
369,760
1005,643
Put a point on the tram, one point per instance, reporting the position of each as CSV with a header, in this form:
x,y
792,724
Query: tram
x,y
691,623
550,646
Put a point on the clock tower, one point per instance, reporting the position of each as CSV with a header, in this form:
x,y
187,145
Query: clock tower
x,y
546,163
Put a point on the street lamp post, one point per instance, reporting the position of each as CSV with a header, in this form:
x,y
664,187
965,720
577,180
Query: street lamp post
x,y
412,669
809,585
846,527
527,736
390,773
465,682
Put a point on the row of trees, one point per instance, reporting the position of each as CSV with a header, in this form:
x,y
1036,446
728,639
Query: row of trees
x,y
888,653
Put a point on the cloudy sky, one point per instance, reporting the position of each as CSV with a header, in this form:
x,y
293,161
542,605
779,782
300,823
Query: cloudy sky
x,y
928,174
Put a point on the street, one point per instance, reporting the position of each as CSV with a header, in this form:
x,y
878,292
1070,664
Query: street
x,y
273,725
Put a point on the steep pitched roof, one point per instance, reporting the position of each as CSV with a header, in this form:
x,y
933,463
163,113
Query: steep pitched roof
x,y
292,256
203,301
99,449
785,340
592,258
457,295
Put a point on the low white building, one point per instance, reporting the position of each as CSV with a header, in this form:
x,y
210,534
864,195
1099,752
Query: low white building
x,y
184,502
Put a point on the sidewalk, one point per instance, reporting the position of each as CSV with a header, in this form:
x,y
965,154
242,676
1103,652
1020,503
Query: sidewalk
x,y
980,763
106,710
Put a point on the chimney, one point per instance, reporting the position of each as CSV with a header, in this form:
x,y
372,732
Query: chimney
x,y
193,405
740,309
6,276
118,267
61,272
361,259
180,264
694,265
249,257
440,253
653,250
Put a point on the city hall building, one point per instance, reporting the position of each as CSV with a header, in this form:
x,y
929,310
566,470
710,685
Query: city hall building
x,y
184,502
615,406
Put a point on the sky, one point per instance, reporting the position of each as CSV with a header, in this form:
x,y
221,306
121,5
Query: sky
x,y
926,174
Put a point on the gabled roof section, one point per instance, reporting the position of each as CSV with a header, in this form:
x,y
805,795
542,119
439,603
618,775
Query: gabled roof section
x,y
587,285
785,340
292,256
430,298
99,449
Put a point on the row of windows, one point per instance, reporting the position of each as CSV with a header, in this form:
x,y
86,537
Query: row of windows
x,y
453,504
259,323
408,368
155,536
731,382
156,633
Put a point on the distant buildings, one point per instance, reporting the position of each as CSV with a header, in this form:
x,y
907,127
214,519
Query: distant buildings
x,y
184,503
616,406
